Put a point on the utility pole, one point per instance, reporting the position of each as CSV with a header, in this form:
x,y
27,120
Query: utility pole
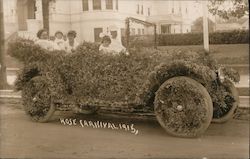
x,y
205,26
3,74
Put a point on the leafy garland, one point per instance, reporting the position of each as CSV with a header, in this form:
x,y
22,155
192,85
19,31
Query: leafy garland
x,y
86,75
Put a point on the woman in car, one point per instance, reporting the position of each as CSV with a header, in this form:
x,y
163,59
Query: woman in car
x,y
71,43
43,40
59,41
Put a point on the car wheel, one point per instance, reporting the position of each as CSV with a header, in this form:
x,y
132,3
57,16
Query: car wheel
x,y
183,107
37,99
223,114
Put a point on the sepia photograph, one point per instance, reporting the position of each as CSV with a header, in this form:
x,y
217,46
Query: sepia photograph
x,y
124,79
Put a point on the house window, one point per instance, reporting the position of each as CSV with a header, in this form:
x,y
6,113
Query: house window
x,y
85,5
180,9
116,5
97,32
133,31
142,32
139,31
31,9
109,4
172,10
142,9
138,9
123,32
148,11
97,5
165,29
186,10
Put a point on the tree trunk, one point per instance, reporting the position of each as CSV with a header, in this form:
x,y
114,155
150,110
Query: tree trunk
x,y
3,74
45,7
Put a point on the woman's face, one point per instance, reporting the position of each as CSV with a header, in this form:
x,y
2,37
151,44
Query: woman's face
x,y
114,34
71,38
59,36
44,35
106,43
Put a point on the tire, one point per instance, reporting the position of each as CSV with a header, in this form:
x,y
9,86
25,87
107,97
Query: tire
x,y
183,107
222,115
37,101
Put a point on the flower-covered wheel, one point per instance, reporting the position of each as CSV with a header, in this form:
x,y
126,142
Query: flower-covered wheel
x,y
37,99
224,113
183,107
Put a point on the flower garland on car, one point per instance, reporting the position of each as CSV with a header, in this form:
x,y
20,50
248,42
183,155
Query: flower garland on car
x,y
86,75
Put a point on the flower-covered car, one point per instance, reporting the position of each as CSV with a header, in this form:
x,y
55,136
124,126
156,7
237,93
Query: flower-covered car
x,y
184,90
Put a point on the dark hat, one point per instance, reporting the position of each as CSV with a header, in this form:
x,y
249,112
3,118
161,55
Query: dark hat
x,y
39,33
72,32
106,38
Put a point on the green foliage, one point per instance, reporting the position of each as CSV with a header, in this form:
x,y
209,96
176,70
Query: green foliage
x,y
139,41
227,9
87,76
188,95
232,37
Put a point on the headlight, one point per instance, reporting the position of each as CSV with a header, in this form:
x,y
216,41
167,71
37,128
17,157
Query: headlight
x,y
221,74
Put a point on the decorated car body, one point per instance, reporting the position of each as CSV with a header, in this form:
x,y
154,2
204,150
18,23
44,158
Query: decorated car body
x,y
184,90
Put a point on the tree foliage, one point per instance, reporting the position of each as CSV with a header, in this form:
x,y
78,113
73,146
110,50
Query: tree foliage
x,y
229,8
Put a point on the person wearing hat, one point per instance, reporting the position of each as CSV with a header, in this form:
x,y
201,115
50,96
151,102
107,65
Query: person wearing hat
x,y
59,41
116,44
105,44
43,40
71,43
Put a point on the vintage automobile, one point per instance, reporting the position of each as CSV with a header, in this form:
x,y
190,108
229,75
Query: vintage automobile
x,y
184,90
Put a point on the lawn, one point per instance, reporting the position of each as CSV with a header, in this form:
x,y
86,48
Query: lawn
x,y
236,54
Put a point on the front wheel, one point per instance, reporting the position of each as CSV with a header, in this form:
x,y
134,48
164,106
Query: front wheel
x,y
183,107
37,100
231,99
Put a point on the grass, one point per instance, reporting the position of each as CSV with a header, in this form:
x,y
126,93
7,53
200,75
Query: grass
x,y
236,54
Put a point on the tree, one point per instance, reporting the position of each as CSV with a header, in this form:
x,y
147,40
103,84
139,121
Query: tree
x,y
198,25
3,74
229,8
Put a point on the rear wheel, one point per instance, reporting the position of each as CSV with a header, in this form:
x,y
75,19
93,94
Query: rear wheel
x,y
183,107
224,113
37,100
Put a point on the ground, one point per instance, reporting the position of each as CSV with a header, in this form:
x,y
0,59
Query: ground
x,y
22,138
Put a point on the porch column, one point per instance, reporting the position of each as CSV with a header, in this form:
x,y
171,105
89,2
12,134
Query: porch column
x,y
39,10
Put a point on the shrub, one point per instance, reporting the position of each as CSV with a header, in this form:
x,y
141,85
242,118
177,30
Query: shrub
x,y
232,37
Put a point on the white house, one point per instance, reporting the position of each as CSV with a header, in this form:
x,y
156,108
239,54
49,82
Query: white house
x,y
91,17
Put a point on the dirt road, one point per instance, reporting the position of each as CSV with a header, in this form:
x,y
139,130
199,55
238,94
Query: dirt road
x,y
22,138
